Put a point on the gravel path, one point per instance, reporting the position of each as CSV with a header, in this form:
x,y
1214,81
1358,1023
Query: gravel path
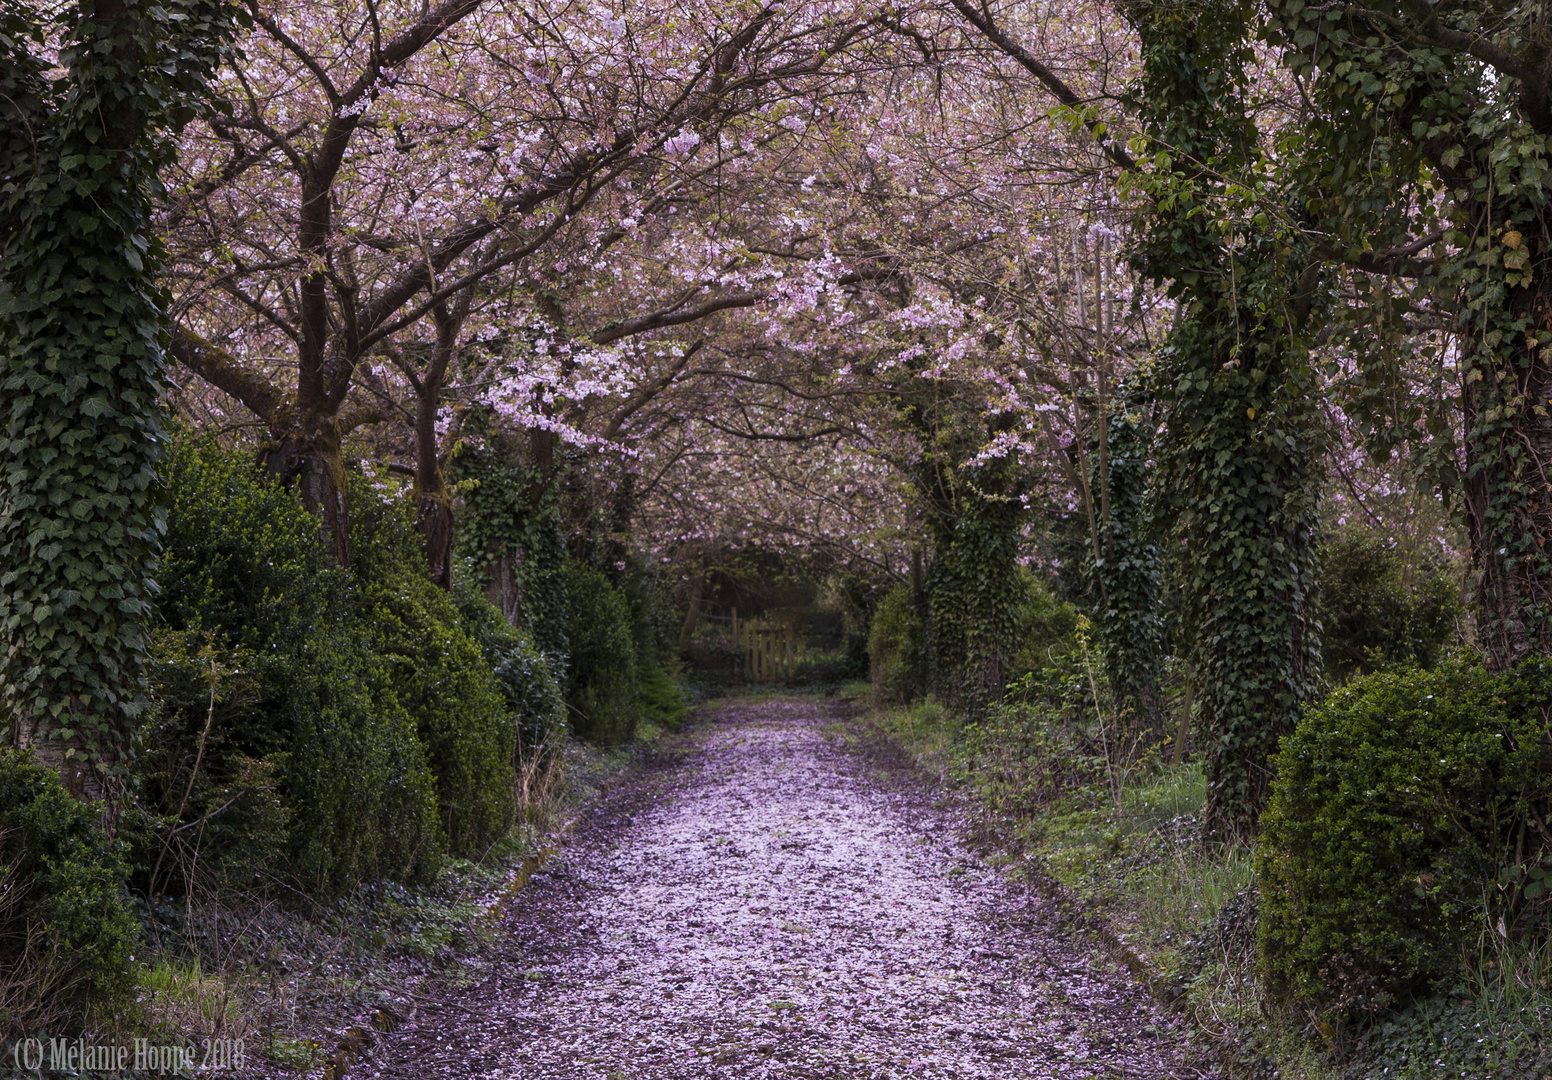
x,y
774,905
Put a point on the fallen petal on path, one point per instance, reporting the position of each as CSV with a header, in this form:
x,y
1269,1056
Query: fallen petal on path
x,y
767,908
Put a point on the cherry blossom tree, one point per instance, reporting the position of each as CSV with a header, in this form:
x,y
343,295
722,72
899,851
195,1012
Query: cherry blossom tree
x,y
381,160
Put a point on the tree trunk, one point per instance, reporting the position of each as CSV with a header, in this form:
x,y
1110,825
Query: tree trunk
x,y
1508,496
309,456
434,508
434,521
502,588
693,614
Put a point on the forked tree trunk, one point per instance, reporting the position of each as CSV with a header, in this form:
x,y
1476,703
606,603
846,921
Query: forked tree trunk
x,y
309,456
433,502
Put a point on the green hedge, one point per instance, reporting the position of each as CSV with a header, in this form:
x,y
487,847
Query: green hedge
x,y
533,697
308,697
66,923
1374,612
365,721
1399,801
438,671
603,682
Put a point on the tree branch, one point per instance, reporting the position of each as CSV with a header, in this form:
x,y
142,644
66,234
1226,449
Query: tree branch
x,y
225,372
982,20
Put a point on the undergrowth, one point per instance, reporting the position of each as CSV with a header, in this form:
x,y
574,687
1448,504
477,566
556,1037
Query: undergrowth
x,y
283,976
1127,845
1129,848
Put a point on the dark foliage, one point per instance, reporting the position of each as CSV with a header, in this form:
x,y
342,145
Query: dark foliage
x,y
1373,612
66,923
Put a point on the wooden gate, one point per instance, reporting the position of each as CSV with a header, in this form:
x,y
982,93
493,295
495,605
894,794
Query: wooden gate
x,y
767,651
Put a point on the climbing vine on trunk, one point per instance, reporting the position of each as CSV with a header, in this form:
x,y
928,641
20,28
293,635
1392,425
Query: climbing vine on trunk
x,y
1123,567
973,593
1240,471
1434,134
509,527
81,366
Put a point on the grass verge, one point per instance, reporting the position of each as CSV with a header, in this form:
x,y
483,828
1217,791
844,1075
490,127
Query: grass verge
x,y
1126,848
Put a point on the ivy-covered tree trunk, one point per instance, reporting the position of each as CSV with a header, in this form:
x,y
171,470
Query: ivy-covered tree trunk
x,y
1124,568
973,594
510,527
1239,451
81,366
1455,100
1508,493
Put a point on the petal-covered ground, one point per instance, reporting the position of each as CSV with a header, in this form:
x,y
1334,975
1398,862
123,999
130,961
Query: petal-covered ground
x,y
772,905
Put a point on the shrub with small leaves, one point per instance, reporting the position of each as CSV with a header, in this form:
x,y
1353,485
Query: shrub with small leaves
x,y
523,675
894,646
306,689
438,671
1374,612
662,702
602,688
66,925
1400,801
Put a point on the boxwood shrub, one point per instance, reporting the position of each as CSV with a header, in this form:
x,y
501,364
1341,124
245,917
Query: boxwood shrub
x,y
603,689
308,696
438,671
66,924
1399,801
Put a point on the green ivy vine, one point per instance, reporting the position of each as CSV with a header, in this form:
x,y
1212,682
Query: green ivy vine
x,y
82,323
1240,474
509,527
1123,566
972,595
1432,132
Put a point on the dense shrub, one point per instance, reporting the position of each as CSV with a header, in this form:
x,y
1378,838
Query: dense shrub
x,y
308,731
830,670
654,614
1044,634
66,924
1375,612
895,661
439,674
602,677
533,697
1044,739
244,831
1047,629
1399,799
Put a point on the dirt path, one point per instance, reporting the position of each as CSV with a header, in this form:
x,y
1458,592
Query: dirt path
x,y
772,905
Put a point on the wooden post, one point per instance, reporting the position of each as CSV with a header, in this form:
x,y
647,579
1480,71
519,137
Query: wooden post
x,y
1185,723
789,650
